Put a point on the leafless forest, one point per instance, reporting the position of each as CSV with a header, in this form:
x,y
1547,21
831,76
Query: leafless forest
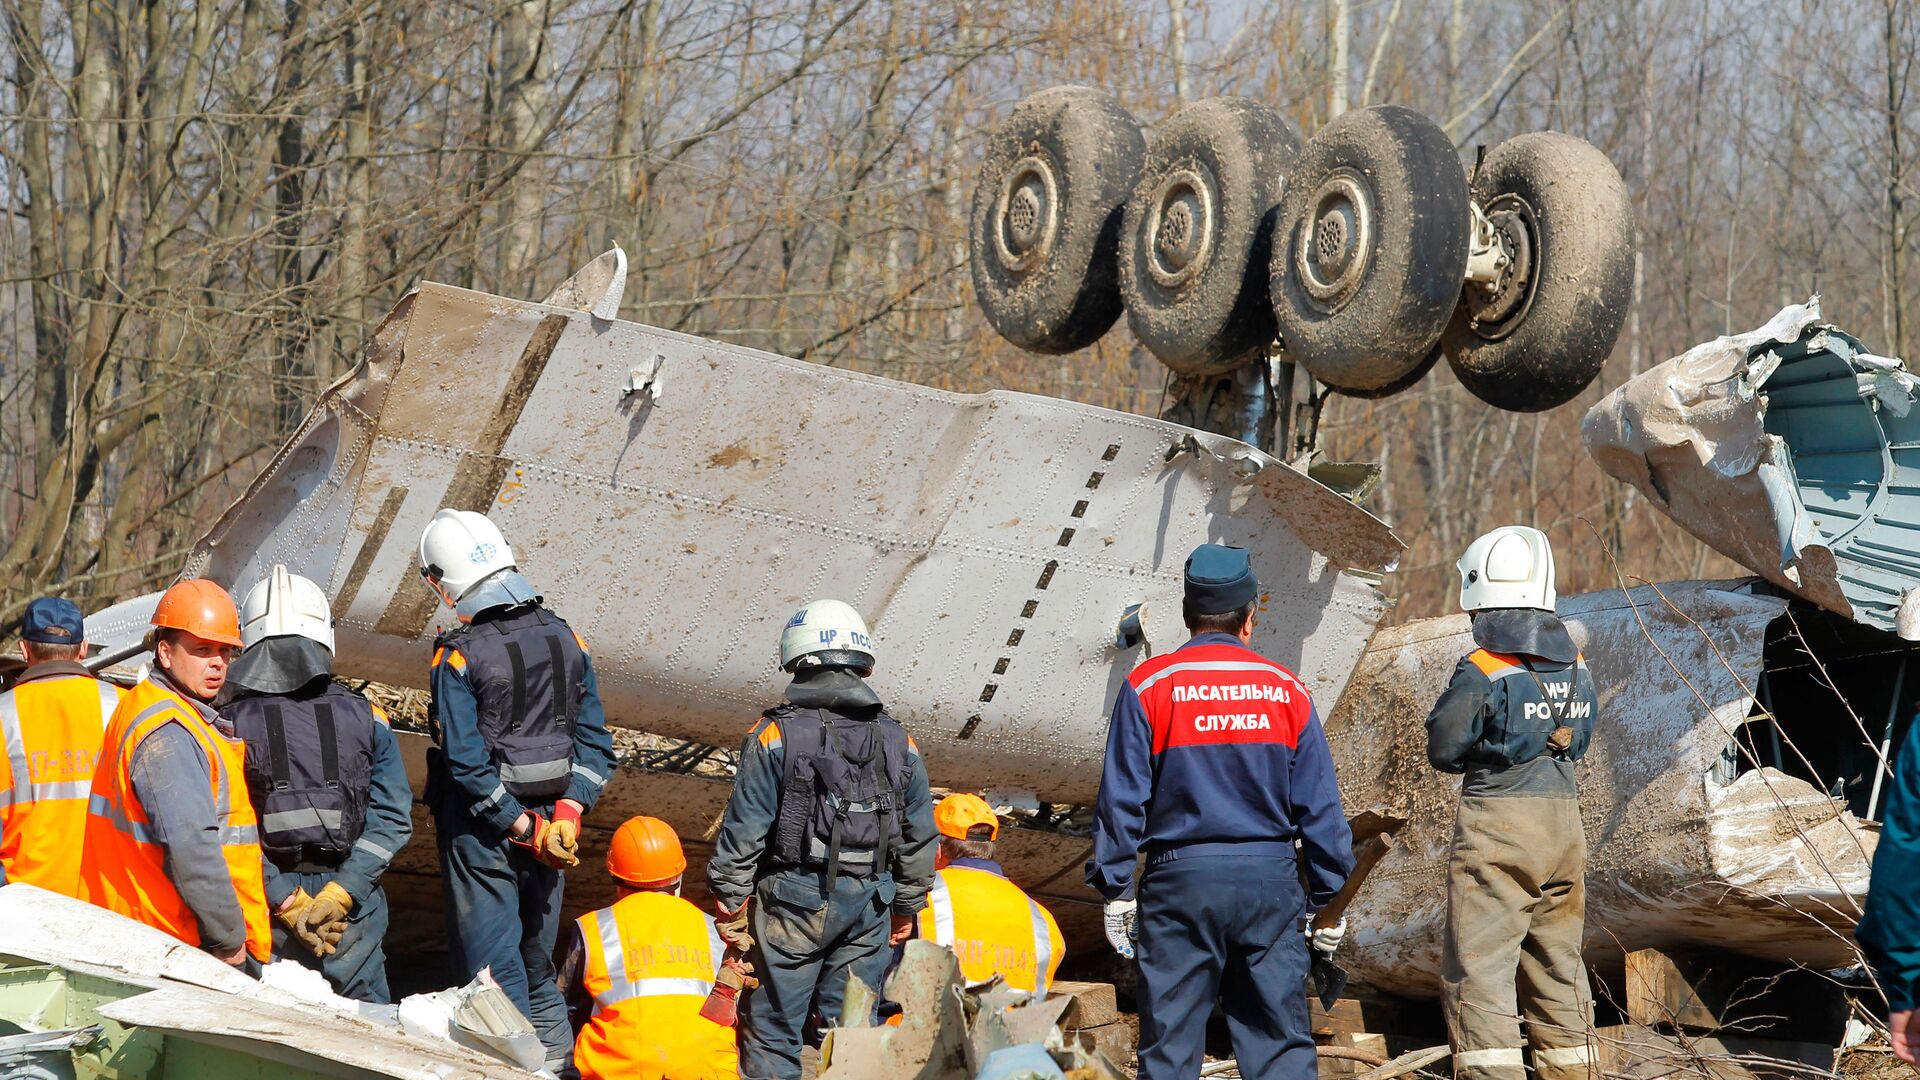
x,y
211,201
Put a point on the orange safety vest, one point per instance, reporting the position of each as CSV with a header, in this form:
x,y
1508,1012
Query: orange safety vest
x,y
123,868
51,728
993,928
650,963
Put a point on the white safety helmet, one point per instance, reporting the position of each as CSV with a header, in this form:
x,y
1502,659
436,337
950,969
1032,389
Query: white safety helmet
x,y
1510,567
826,632
283,605
459,550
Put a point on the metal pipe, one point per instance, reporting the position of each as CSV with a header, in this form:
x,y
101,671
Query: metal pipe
x,y
107,660
1886,739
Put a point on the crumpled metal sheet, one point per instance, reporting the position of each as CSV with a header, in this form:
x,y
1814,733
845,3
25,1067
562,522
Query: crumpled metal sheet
x,y
1765,866
676,499
1788,449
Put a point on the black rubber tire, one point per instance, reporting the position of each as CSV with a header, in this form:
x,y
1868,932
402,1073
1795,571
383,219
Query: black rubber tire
x,y
1198,229
1067,158
1405,248
1546,353
1403,383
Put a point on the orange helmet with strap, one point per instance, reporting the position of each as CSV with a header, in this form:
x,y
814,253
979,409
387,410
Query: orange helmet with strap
x,y
646,852
201,608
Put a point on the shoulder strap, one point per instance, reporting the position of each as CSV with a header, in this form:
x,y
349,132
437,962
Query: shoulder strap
x,y
562,680
278,763
329,743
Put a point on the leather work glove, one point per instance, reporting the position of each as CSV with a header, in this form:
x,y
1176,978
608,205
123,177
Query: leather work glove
x,y
289,915
324,922
559,844
737,973
1326,941
1123,926
732,926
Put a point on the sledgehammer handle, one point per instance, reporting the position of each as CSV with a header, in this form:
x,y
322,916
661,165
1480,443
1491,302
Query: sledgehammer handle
x,y
1364,860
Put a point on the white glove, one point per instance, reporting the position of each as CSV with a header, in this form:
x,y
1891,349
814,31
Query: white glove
x,y
1123,926
1327,940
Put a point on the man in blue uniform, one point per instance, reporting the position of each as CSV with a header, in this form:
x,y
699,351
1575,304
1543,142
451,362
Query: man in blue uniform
x,y
829,833
523,753
1517,715
1889,932
1217,768
328,785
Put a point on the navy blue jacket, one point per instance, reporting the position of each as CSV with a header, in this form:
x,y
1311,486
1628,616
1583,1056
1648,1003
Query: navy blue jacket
x,y
1889,932
1215,744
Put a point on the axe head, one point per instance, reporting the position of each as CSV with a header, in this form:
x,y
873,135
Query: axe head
x,y
1329,979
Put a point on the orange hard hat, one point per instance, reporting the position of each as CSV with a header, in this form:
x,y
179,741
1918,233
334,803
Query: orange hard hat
x,y
957,814
645,851
201,608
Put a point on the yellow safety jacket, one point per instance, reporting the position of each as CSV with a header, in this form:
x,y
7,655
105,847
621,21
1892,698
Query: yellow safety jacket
x,y
992,926
123,868
650,963
51,726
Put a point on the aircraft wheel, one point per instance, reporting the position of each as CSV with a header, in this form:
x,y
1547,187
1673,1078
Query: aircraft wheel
x,y
1542,333
1404,382
1198,229
1371,248
1046,218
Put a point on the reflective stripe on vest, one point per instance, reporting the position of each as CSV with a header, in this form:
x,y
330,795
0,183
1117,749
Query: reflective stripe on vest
x,y
621,983
535,772
941,901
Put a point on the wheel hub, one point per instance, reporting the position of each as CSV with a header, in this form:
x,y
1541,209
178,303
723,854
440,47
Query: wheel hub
x,y
1335,244
1179,227
1493,311
1028,214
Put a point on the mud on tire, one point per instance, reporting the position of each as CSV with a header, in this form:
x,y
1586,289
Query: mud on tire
x,y
1542,336
1046,218
1370,249
1197,233
1399,385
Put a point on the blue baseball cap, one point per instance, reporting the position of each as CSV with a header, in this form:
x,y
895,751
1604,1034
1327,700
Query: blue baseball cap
x,y
54,620
1219,579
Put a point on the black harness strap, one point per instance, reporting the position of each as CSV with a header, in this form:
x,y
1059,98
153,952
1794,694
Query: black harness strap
x,y
329,744
562,682
277,748
519,663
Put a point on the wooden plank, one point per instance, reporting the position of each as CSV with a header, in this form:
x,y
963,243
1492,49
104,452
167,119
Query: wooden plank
x,y
1704,991
1636,1052
1093,1003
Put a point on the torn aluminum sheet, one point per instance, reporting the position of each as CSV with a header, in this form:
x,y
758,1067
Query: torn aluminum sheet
x,y
993,540
1764,865
156,989
1791,450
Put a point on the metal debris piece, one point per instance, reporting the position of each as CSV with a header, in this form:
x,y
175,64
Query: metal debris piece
x,y
931,1041
1791,450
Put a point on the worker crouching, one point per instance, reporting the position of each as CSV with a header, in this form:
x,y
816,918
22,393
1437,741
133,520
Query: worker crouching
x,y
829,833
636,974
172,840
992,926
1517,715
325,775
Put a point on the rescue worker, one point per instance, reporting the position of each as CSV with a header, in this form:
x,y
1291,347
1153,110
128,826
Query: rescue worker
x,y
829,832
636,974
992,926
1517,715
172,840
325,775
522,753
1889,930
1217,766
51,724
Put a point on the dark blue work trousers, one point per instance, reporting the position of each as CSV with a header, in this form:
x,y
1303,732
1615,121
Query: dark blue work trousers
x,y
357,967
503,913
805,945
1226,927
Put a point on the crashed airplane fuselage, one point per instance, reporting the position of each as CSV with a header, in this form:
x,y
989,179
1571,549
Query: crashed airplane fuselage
x,y
677,498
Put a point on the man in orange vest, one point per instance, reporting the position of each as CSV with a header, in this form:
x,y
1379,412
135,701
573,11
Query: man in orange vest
x,y
172,840
993,926
635,974
51,724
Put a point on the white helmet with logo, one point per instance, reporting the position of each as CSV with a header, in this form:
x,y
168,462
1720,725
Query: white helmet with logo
x,y
1510,567
286,605
459,550
826,632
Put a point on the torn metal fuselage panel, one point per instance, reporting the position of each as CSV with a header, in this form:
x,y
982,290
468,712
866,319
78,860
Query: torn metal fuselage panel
x,y
676,499
1791,450
1680,854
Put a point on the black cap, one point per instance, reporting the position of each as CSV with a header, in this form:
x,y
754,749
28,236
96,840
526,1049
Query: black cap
x,y
1219,579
